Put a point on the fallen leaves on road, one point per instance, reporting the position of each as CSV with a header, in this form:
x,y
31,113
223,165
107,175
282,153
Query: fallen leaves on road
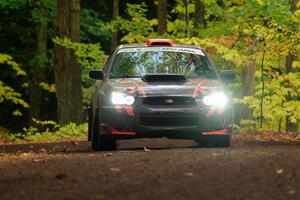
x,y
146,149
114,169
279,171
188,174
270,136
107,154
36,157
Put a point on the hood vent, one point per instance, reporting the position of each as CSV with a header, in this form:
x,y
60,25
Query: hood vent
x,y
164,78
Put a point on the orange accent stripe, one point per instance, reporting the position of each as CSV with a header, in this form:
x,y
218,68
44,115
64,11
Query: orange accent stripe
x,y
221,132
142,92
115,132
210,112
136,87
129,110
198,88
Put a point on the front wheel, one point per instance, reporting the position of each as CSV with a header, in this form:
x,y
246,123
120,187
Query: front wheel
x,y
101,142
214,141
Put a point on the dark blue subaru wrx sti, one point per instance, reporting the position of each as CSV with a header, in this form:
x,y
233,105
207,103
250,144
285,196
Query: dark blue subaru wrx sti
x,y
160,89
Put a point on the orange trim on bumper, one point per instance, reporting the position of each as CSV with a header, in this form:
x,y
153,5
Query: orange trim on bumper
x,y
115,132
221,132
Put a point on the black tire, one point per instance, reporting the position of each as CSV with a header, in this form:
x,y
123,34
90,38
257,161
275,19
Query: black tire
x,y
101,142
214,141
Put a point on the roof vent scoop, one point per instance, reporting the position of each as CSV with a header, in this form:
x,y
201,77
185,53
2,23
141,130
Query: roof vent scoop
x,y
160,42
164,78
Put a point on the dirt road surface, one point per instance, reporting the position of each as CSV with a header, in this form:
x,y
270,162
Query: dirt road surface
x,y
165,169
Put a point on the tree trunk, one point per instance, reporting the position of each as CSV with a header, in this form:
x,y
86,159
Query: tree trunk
x,y
36,92
289,68
162,17
199,16
67,69
248,81
114,38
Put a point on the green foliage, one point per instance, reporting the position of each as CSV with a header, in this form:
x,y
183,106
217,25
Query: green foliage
x,y
4,135
43,11
276,26
138,28
7,93
90,56
12,4
70,131
7,59
50,88
276,106
92,27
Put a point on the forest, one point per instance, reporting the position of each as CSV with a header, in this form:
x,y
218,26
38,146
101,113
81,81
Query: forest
x,y
47,48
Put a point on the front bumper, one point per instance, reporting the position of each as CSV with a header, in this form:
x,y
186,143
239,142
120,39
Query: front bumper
x,y
163,121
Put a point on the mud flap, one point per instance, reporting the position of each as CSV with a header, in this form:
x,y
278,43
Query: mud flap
x,y
104,129
90,122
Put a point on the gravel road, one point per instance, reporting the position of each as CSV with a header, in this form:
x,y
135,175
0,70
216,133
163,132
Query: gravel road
x,y
164,169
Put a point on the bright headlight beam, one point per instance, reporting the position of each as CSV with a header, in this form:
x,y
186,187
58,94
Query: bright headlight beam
x,y
129,100
122,99
217,99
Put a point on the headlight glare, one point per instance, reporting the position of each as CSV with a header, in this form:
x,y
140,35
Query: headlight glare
x,y
129,100
217,99
122,99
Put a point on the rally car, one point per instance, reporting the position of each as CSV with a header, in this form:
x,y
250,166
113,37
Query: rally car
x,y
160,89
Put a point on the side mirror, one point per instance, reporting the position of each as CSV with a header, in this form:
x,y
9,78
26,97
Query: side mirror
x,y
227,75
96,74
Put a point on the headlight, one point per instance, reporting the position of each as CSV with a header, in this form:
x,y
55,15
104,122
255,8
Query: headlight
x,y
122,99
217,99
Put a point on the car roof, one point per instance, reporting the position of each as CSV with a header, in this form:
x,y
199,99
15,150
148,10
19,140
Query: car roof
x,y
144,45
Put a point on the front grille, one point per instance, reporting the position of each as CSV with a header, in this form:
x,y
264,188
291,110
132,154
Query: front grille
x,y
169,121
169,101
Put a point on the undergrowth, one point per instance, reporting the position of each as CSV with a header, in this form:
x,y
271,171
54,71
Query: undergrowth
x,y
47,132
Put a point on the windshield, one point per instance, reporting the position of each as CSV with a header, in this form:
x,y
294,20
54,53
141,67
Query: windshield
x,y
136,62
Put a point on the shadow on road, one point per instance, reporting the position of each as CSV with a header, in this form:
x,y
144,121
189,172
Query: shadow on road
x,y
84,146
138,144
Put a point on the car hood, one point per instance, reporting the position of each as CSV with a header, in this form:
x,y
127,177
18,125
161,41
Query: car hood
x,y
191,87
